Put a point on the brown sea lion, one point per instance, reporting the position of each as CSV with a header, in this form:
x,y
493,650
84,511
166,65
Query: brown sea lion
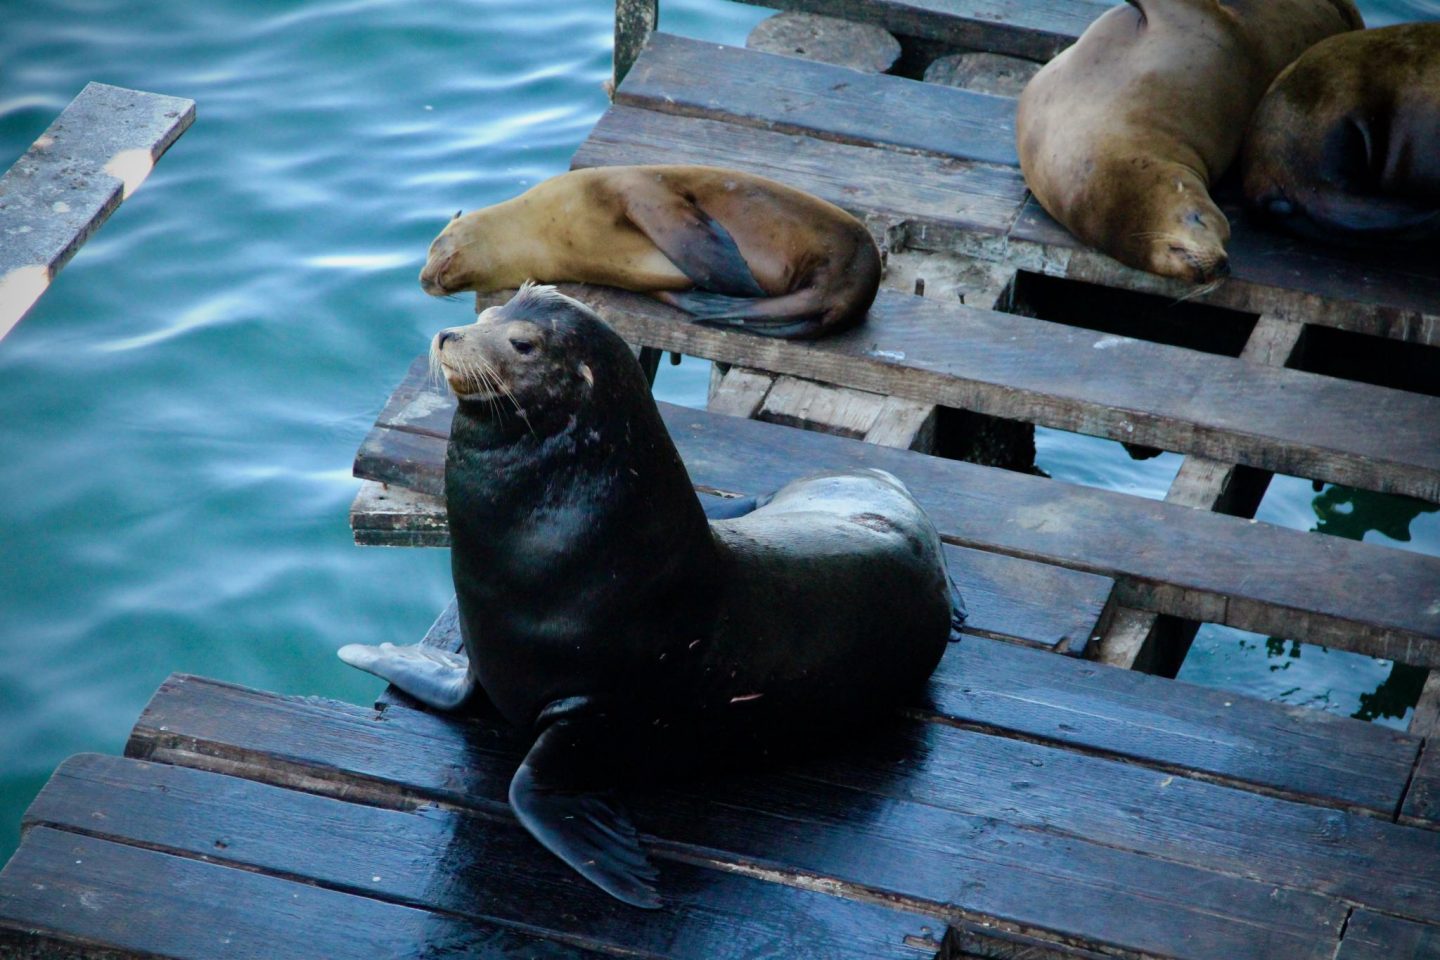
x,y
1121,135
727,247
1345,145
604,616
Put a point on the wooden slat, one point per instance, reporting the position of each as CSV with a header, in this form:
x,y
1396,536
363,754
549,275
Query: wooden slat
x,y
1021,28
952,204
1422,800
485,870
795,828
67,184
790,95
1070,378
67,895
1389,293
1167,558
1369,936
1307,755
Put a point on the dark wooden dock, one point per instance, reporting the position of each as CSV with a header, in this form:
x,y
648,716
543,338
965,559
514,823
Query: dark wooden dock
x,y
1047,797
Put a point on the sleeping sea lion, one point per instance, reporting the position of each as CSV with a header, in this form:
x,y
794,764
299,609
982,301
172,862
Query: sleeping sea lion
x,y
1121,135
727,247
602,613
1345,146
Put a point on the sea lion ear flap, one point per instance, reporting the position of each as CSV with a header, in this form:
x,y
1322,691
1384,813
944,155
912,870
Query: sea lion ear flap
x,y
585,371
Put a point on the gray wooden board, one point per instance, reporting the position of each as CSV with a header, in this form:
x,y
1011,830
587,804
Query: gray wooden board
x,y
790,827
70,181
950,202
1422,800
68,895
1035,29
1304,754
1386,292
1166,557
791,95
1070,378
1370,936
479,869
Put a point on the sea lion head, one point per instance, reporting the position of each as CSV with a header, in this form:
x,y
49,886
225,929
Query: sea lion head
x,y
1180,233
465,256
540,355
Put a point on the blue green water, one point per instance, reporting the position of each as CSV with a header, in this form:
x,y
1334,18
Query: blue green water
x,y
181,408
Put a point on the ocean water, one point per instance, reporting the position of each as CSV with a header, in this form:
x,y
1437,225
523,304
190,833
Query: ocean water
x,y
182,407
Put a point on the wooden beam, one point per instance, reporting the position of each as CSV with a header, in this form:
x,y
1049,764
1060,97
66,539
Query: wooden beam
x,y
635,21
95,154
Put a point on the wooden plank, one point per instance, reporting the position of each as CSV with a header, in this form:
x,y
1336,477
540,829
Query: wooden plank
x,y
1070,378
805,403
1385,293
1021,28
67,895
1207,734
481,869
790,95
1422,799
1167,558
740,393
95,154
793,828
906,424
948,204
391,516
1369,936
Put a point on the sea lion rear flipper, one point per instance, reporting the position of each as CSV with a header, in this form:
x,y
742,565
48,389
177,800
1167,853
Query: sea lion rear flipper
x,y
1349,213
699,246
558,794
434,677
795,315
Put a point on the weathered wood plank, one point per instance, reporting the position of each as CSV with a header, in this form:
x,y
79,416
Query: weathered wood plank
x,y
1385,293
1422,800
948,204
1167,558
1369,936
100,148
1071,378
485,870
692,78
797,829
1240,741
1022,28
67,895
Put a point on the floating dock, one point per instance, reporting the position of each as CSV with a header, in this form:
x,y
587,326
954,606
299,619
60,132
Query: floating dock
x,y
1053,794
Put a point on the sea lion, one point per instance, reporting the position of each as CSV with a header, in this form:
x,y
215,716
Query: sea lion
x,y
1345,146
603,613
727,247
1121,135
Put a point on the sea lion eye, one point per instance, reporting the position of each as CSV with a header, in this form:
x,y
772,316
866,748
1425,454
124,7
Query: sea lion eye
x,y
522,347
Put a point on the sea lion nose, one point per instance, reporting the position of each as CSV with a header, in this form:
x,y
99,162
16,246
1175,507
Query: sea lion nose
x,y
444,337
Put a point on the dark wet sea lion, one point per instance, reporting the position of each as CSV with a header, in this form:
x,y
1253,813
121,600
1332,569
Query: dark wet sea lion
x,y
603,613
728,247
1122,134
1345,146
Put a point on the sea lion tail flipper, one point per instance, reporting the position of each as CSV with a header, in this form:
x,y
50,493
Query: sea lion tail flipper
x,y
699,246
434,677
794,316
558,795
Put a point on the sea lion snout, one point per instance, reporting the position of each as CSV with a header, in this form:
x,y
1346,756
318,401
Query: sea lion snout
x,y
434,270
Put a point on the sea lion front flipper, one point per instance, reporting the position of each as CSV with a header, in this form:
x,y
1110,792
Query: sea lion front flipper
x,y
434,677
559,795
699,246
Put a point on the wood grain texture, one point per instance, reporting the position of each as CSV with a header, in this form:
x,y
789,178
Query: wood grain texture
x,y
945,204
693,78
477,868
72,178
1383,293
798,828
68,895
1165,557
1070,378
1422,800
1037,30
1369,936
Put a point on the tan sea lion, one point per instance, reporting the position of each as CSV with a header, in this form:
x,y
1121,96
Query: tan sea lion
x,y
727,247
1121,135
625,634
1346,144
